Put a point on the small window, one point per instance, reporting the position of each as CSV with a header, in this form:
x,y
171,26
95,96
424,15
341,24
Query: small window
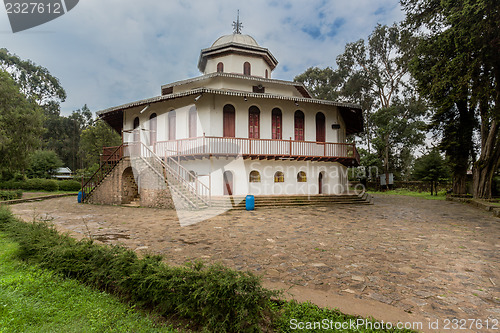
x,y
279,177
246,68
152,129
267,74
301,177
254,176
259,89
220,67
167,91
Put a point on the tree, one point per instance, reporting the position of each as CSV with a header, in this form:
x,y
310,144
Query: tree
x,y
94,138
43,164
375,75
35,81
431,168
457,55
20,126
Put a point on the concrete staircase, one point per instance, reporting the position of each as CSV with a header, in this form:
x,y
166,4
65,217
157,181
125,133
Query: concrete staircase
x,y
278,201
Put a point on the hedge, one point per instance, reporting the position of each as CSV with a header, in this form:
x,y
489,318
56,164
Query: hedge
x,y
37,184
214,297
10,195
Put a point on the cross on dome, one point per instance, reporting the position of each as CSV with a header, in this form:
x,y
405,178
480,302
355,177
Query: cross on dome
x,y
237,25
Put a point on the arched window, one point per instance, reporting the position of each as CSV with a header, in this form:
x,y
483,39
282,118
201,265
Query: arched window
x,y
246,68
137,133
279,177
193,121
301,177
171,125
299,125
254,176
276,124
228,121
152,129
267,74
253,122
320,127
220,67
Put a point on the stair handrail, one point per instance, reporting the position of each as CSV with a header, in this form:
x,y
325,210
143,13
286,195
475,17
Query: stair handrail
x,y
100,171
179,177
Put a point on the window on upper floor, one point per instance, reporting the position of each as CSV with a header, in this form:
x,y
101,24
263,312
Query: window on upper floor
x,y
171,125
152,129
320,127
228,121
299,125
136,131
267,74
253,122
276,124
220,67
247,68
193,122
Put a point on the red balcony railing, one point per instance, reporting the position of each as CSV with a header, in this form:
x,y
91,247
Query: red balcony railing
x,y
344,153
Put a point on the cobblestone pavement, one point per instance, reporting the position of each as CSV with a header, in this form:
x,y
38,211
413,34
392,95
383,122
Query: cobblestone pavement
x,y
435,259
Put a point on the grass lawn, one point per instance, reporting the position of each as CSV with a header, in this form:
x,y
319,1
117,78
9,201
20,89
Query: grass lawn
x,y
36,300
426,195
34,194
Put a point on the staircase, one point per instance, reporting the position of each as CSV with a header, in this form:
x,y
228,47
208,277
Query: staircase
x,y
186,190
278,201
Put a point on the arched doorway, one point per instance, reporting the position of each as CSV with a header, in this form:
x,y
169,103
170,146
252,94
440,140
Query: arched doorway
x,y
228,183
321,182
130,190
228,121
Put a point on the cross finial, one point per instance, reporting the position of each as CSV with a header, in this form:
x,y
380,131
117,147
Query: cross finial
x,y
237,25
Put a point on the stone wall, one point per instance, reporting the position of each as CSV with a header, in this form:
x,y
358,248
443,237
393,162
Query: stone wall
x,y
128,181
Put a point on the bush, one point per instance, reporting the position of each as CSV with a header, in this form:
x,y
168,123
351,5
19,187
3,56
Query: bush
x,y
69,185
11,195
49,185
216,297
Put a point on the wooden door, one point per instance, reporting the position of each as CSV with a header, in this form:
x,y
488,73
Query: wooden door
x,y
299,126
253,122
320,183
228,121
228,183
320,127
171,125
276,124
193,120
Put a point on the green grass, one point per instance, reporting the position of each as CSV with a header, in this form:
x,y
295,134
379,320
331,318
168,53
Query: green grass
x,y
37,300
426,195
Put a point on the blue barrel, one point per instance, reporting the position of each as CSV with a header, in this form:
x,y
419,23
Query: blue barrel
x,y
81,195
250,202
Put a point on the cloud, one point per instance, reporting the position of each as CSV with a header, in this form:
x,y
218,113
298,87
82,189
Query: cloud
x,y
107,53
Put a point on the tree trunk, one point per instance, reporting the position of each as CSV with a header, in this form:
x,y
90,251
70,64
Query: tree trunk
x,y
386,162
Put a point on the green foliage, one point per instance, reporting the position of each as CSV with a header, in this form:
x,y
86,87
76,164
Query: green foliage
x,y
43,164
322,83
35,184
10,195
36,300
296,316
93,138
20,126
35,81
69,185
216,297
441,195
430,168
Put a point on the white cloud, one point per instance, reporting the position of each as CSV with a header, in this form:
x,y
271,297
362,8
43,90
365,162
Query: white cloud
x,y
107,53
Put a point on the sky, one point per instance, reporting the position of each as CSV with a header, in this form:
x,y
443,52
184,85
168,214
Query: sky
x,y
108,53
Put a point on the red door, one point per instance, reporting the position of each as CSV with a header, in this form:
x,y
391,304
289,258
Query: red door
x,y
228,121
299,126
320,127
253,122
228,183
276,122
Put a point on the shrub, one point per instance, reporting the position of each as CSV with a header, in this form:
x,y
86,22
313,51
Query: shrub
x,y
31,185
216,297
11,195
69,185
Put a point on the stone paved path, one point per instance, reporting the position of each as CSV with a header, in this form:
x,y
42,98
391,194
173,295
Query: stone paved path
x,y
435,259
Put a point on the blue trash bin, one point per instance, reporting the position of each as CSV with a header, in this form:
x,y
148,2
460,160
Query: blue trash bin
x,y
81,195
250,202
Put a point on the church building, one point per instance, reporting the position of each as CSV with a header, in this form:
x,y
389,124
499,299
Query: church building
x,y
233,131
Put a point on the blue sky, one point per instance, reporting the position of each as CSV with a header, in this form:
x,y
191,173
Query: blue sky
x,y
107,53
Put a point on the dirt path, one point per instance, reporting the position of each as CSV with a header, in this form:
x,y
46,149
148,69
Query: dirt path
x,y
402,258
